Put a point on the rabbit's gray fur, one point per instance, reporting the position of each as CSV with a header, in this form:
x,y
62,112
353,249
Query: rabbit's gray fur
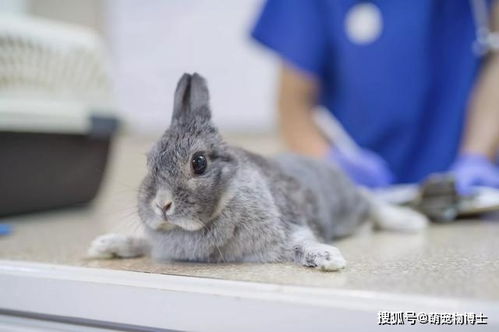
x,y
245,207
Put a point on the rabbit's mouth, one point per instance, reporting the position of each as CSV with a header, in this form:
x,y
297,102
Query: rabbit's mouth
x,y
187,224
169,223
159,224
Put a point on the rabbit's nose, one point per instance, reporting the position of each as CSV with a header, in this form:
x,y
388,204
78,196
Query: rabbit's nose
x,y
166,208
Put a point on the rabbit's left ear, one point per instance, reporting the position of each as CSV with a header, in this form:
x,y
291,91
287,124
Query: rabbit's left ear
x,y
192,99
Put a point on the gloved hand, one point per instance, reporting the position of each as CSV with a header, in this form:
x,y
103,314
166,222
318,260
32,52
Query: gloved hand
x,y
474,170
364,167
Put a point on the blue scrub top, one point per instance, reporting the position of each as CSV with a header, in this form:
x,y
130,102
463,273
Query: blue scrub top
x,y
405,94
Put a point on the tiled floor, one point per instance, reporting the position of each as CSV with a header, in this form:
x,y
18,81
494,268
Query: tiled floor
x,y
458,260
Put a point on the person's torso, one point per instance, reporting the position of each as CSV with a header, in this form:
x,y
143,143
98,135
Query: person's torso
x,y
404,93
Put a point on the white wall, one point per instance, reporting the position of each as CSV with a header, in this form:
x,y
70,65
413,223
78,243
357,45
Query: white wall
x,y
13,6
153,42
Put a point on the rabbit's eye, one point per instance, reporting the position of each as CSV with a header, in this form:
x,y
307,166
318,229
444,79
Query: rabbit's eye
x,y
199,163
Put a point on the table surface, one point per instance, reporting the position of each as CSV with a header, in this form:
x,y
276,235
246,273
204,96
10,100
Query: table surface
x,y
458,260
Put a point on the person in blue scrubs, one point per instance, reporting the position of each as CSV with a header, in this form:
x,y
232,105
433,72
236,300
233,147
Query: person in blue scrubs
x,y
400,76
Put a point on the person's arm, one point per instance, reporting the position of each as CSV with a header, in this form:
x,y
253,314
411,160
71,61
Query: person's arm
x,y
297,98
474,165
482,128
298,94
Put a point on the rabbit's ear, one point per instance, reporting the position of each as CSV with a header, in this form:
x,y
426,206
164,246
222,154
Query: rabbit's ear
x,y
192,99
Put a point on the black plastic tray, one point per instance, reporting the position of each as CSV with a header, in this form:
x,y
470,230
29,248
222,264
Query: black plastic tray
x,y
40,171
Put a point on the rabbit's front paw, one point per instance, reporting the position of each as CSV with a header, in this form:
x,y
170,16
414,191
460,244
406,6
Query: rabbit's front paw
x,y
114,245
323,257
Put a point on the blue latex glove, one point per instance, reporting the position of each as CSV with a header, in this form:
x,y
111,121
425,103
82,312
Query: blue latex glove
x,y
474,170
364,167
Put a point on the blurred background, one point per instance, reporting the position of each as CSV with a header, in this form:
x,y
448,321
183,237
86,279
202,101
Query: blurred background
x,y
148,48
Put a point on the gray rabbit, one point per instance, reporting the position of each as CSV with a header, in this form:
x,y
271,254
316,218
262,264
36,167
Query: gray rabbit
x,y
203,200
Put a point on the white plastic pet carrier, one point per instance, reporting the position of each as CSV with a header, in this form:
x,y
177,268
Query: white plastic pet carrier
x,y
56,114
